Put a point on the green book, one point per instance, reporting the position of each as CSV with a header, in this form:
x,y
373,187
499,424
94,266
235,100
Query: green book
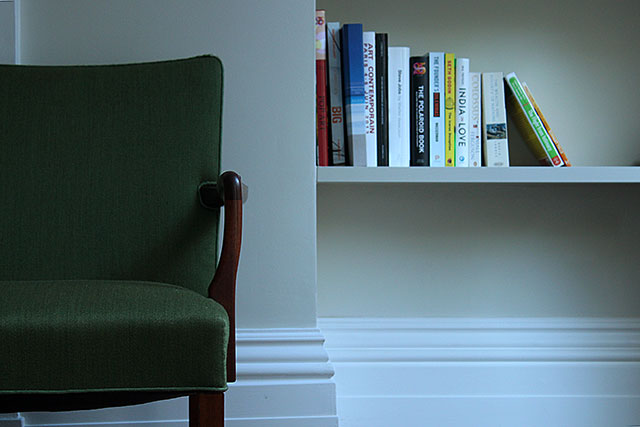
x,y
529,124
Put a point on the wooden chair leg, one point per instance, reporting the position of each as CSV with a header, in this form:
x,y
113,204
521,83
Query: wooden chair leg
x,y
206,410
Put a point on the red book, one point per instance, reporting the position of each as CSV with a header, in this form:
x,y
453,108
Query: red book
x,y
322,111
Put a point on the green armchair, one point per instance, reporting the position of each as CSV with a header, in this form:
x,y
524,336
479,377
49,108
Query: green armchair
x,y
110,289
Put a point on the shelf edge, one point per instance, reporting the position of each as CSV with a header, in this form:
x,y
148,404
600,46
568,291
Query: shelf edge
x,y
524,174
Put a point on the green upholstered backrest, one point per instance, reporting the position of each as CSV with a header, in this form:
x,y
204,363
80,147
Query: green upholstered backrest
x,y
99,171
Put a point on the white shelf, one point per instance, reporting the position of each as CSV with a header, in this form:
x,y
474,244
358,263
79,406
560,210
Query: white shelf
x,y
514,174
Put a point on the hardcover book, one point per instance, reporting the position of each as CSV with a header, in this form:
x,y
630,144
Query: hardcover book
x,y
495,141
353,92
462,112
399,106
419,110
450,109
322,131
370,120
529,124
382,98
475,120
337,155
546,125
436,109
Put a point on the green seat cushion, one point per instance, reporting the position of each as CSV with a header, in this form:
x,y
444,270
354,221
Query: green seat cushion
x,y
91,335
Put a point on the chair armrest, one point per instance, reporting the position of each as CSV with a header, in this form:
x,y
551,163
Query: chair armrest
x,y
227,192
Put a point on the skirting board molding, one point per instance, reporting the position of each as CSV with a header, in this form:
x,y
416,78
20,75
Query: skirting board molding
x,y
11,420
284,380
485,372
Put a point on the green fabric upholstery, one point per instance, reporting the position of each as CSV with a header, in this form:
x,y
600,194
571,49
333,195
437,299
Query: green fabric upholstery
x,y
106,254
76,336
99,171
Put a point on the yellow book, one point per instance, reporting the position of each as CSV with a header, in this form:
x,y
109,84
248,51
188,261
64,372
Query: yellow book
x,y
450,109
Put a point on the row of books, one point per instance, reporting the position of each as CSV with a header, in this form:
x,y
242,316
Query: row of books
x,y
377,105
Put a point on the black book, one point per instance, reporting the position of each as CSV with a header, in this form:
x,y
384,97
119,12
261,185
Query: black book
x,y
419,110
382,98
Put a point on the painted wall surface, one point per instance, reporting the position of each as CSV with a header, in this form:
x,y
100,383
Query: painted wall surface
x,y
7,32
580,59
268,127
478,250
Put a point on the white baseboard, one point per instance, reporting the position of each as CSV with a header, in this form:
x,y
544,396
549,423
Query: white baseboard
x,y
284,422
485,372
11,420
235,422
283,375
489,411
284,379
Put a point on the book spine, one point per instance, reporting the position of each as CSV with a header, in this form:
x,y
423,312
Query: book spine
x,y
370,120
519,118
475,120
546,125
450,109
382,98
462,112
419,124
337,155
399,106
353,92
436,109
322,131
494,119
531,127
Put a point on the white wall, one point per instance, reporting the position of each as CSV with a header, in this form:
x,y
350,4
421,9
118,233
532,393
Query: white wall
x,y
268,128
478,250
7,32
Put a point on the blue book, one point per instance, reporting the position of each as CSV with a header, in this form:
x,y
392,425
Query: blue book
x,y
353,92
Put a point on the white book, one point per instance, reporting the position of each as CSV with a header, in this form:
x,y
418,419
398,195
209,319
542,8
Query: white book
x,y
475,120
436,109
462,112
495,140
370,118
336,112
399,130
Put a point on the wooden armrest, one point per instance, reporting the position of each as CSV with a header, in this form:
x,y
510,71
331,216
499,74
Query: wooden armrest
x,y
228,193
212,193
